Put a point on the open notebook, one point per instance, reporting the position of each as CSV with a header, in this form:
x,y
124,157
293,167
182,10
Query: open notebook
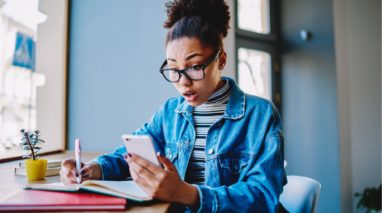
x,y
124,189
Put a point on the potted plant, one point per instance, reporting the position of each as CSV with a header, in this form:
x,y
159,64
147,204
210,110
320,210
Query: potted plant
x,y
370,199
35,167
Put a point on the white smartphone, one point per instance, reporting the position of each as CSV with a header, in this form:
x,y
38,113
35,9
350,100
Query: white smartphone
x,y
142,146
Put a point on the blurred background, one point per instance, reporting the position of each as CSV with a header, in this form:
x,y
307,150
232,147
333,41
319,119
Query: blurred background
x,y
90,69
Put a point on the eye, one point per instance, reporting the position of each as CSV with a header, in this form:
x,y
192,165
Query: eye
x,y
197,67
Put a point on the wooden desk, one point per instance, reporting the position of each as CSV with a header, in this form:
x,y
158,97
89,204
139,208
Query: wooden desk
x,y
9,182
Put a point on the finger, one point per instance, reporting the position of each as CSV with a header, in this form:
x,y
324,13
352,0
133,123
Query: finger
x,y
85,177
166,162
143,185
142,171
140,181
67,177
85,170
74,173
65,172
133,174
63,179
68,163
144,163
126,158
68,181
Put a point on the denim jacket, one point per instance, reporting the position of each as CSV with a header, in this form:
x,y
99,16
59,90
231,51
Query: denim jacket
x,y
244,165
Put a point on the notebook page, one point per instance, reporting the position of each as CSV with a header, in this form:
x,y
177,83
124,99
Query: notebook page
x,y
127,189
54,187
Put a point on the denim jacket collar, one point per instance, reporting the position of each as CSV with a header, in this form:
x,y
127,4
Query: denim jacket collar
x,y
235,106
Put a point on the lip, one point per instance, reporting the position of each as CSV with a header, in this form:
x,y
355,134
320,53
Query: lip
x,y
187,92
190,95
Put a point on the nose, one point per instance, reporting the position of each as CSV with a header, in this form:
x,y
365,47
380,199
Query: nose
x,y
184,81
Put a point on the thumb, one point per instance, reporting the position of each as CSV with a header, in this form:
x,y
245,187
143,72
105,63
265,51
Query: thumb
x,y
166,162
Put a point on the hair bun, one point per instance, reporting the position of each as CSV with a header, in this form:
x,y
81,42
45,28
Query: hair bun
x,y
213,12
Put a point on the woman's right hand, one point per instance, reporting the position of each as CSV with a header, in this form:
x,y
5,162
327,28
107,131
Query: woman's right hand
x,y
89,171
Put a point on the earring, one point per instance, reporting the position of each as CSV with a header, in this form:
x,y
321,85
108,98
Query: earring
x,y
221,66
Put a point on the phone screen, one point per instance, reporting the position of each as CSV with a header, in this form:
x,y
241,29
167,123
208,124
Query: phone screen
x,y
141,145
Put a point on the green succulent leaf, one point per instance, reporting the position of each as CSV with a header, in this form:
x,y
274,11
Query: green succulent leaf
x,y
29,142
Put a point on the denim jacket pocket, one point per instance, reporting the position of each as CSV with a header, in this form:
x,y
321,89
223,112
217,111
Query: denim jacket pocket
x,y
171,153
230,168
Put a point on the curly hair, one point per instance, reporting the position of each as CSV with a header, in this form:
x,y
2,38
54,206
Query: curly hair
x,y
207,20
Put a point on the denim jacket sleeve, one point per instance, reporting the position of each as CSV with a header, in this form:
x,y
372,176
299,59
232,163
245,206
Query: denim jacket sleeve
x,y
258,190
113,166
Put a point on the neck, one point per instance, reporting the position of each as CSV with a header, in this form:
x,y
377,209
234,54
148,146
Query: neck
x,y
220,85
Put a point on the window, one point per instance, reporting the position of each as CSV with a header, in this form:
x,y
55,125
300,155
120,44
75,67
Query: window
x,y
257,48
253,15
32,73
254,76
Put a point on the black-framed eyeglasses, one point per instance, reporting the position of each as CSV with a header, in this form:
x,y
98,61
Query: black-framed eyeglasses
x,y
193,73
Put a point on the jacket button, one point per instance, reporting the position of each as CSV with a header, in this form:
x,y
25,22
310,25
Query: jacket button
x,y
211,151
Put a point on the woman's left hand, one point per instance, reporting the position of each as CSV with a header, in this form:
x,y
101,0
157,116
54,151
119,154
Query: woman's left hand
x,y
161,183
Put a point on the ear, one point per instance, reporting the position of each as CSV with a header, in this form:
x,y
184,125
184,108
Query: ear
x,y
222,60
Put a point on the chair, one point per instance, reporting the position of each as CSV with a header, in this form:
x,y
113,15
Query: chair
x,y
300,194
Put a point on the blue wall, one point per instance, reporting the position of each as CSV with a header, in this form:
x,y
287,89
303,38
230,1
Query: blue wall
x,y
116,49
310,97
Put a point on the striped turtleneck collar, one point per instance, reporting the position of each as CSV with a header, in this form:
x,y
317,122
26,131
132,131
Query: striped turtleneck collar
x,y
221,96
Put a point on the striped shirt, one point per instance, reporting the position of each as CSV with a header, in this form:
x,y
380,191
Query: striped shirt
x,y
204,116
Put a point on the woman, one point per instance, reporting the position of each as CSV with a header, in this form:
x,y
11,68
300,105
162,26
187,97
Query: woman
x,y
220,148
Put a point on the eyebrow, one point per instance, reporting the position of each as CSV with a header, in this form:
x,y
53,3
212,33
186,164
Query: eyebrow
x,y
187,58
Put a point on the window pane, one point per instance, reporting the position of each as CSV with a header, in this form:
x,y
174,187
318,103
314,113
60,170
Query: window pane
x,y
32,73
254,72
18,80
253,15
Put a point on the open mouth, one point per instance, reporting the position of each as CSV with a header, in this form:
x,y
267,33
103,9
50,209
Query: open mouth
x,y
190,95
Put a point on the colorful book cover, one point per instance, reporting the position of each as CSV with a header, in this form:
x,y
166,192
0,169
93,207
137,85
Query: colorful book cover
x,y
36,200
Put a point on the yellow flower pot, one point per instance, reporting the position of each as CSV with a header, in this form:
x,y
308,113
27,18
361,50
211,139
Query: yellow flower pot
x,y
36,169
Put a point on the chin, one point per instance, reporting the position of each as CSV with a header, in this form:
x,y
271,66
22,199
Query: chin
x,y
194,104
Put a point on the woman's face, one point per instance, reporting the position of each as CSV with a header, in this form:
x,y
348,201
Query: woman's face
x,y
186,52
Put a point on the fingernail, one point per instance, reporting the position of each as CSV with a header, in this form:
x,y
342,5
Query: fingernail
x,y
130,155
159,154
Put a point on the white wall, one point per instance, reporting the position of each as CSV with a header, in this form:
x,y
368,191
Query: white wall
x,y
51,61
358,61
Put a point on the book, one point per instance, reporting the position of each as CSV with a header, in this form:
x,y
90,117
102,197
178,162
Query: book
x,y
35,200
49,171
124,189
50,164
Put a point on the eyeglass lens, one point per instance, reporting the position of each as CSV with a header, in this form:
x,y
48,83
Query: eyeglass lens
x,y
193,73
